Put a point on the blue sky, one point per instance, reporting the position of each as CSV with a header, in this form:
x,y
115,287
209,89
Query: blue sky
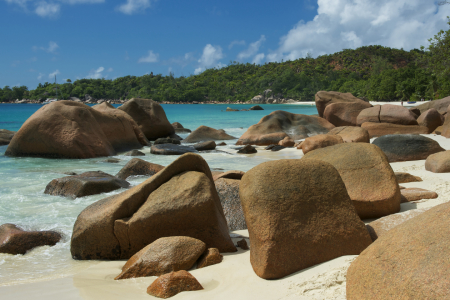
x,y
102,38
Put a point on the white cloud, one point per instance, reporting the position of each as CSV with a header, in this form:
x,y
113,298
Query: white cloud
x,y
252,49
110,70
52,75
150,58
134,6
236,42
40,76
210,58
52,47
96,74
45,9
345,24
48,9
258,58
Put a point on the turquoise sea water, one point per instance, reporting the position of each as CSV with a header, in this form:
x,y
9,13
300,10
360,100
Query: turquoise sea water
x,y
23,181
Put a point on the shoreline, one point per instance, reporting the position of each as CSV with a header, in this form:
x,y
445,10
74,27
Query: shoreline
x,y
234,277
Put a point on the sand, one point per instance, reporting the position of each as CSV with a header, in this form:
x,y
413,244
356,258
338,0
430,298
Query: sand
x,y
234,277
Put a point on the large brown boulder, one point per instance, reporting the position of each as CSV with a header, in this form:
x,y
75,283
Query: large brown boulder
x,y
409,261
228,190
136,167
379,227
344,114
205,133
6,136
431,119
14,240
298,215
180,200
446,126
85,184
281,124
165,255
440,105
387,113
407,147
323,99
169,285
380,129
67,129
351,134
320,141
368,177
438,162
150,117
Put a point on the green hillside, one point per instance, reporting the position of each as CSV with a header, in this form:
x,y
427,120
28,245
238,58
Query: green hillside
x,y
375,72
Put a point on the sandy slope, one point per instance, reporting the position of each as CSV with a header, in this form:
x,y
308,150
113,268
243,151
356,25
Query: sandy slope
x,y
234,277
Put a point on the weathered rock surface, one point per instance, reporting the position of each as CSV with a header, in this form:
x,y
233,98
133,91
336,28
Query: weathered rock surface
x,y
415,194
205,133
233,174
320,141
136,167
247,149
387,113
431,119
171,149
287,142
169,285
165,255
6,136
228,190
379,227
211,257
351,134
67,129
149,116
280,124
14,240
323,99
407,262
343,113
368,177
403,177
85,184
380,129
180,200
210,145
407,147
298,215
134,153
438,162
440,105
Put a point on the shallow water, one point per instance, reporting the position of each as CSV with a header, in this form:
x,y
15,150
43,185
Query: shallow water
x,y
23,181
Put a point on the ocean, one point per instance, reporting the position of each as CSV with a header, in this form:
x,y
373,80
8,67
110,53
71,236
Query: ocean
x,y
23,181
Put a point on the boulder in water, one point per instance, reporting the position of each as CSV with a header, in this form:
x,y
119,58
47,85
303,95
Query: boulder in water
x,y
171,149
136,167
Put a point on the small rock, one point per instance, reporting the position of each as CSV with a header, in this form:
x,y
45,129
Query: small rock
x,y
403,177
231,109
169,285
256,107
14,240
70,173
221,144
171,149
287,142
111,160
277,148
270,147
247,149
414,194
243,244
210,145
134,153
167,141
211,257
438,162
137,166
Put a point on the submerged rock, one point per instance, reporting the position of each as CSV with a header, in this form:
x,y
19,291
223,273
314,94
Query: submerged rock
x,y
85,184
14,240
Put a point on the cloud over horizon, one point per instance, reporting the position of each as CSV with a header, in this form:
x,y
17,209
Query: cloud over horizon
x,y
150,58
210,58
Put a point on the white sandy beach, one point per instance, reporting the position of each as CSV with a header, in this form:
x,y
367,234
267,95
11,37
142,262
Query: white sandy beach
x,y
234,277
